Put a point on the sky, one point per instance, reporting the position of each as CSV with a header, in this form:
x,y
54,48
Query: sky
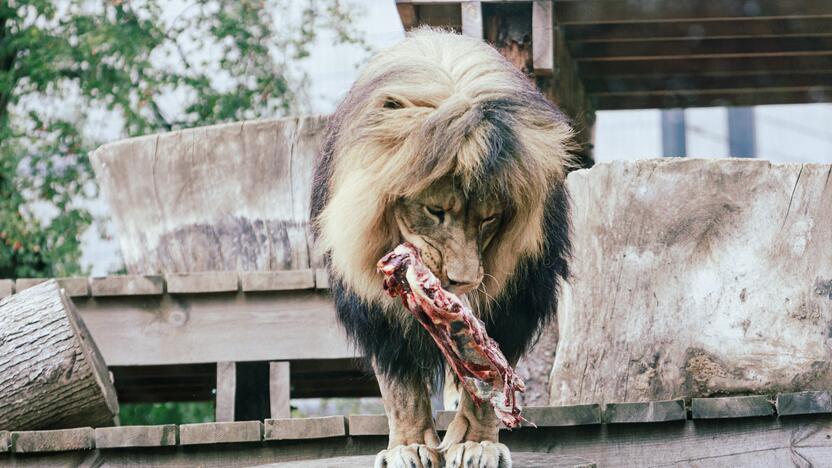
x,y
787,134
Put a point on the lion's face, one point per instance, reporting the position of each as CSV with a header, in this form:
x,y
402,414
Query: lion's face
x,y
451,230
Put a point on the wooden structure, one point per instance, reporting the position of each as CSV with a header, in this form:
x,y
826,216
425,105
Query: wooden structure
x,y
589,55
53,376
790,429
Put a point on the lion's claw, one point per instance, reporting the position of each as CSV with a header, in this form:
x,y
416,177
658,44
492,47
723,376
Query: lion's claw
x,y
478,455
408,456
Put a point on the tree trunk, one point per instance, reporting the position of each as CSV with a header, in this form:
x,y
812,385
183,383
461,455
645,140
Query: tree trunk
x,y
51,373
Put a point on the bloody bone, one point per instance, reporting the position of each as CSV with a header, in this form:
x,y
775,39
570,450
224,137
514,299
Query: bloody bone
x,y
475,358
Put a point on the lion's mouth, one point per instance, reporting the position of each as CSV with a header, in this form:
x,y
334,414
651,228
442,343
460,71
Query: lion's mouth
x,y
475,358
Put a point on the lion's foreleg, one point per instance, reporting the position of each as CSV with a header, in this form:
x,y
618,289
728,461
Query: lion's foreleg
x,y
412,436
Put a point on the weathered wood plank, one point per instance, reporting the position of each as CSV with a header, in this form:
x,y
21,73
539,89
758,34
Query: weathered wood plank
x,y
279,390
82,438
277,280
202,328
472,19
5,441
710,98
814,402
74,286
127,285
693,47
22,284
321,279
226,398
544,416
745,225
731,407
6,288
643,412
543,37
136,436
367,424
305,428
220,432
206,282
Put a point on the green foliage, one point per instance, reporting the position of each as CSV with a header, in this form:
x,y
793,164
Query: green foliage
x,y
144,414
216,61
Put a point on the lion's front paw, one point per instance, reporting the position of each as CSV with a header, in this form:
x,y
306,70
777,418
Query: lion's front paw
x,y
409,456
478,455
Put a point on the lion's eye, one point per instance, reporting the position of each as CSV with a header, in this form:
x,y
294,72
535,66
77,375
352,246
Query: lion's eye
x,y
436,212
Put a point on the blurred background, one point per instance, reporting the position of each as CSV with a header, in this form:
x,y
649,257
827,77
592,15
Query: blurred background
x,y
77,74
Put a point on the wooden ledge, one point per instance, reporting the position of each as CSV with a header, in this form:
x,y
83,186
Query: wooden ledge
x,y
5,441
305,428
277,280
127,285
367,424
651,411
207,282
731,407
61,440
222,432
6,288
137,436
813,402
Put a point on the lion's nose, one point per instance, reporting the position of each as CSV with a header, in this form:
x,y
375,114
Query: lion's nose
x,y
461,287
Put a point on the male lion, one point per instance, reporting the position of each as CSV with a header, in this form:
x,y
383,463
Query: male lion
x,y
441,142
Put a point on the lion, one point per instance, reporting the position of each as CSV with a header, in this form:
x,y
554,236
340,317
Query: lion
x,y
442,143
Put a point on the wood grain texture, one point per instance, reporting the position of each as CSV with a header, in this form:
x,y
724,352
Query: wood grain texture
x,y
206,282
681,293
74,286
6,288
220,432
81,438
205,328
5,441
367,424
305,428
731,407
279,390
127,285
288,280
179,219
136,436
226,397
643,412
53,375
813,402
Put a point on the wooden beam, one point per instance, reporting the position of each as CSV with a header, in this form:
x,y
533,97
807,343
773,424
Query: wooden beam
x,y
407,14
762,28
692,82
226,391
205,328
708,65
711,98
600,11
543,37
279,390
472,19
700,47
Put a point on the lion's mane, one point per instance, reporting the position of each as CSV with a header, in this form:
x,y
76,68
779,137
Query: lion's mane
x,y
440,104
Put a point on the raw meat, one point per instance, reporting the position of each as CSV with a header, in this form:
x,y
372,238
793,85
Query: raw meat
x,y
475,358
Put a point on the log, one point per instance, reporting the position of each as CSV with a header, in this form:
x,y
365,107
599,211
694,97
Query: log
x,y
694,278
51,373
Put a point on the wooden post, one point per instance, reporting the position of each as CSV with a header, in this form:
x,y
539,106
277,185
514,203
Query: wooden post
x,y
53,375
226,391
279,390
472,19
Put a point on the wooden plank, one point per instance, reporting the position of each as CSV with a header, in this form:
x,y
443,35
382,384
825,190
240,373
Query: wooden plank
x,y
643,412
472,19
731,407
277,280
693,82
708,65
220,432
136,436
367,424
305,428
543,38
728,29
407,14
543,416
200,328
279,390
812,402
710,98
6,287
207,282
127,285
81,438
226,391
5,441
600,11
22,284
76,286
321,279
694,47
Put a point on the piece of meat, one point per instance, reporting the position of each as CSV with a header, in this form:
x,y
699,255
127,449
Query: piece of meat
x,y
475,358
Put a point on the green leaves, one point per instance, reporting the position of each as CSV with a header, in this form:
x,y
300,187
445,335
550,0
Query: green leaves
x,y
63,63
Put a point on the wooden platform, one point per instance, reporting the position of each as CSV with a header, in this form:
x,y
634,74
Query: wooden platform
x,y
732,431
